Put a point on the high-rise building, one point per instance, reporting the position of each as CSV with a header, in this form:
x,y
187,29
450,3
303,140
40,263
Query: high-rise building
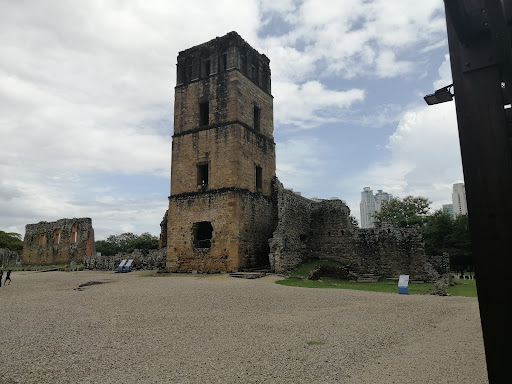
x,y
380,197
460,206
371,204
448,208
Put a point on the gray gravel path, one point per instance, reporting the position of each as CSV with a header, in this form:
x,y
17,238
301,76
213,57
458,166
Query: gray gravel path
x,y
217,329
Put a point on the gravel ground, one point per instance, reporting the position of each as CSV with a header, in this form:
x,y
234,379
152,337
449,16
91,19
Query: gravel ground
x,y
218,329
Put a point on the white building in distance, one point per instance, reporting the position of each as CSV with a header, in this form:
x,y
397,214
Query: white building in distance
x,y
448,208
371,204
460,207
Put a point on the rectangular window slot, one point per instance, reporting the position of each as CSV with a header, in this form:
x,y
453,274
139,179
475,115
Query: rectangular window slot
x,y
202,175
256,118
225,61
204,113
259,178
57,236
206,68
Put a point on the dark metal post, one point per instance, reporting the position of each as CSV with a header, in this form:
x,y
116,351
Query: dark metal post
x,y
479,45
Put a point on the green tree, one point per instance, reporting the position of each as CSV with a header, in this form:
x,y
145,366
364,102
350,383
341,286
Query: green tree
x,y
126,242
438,233
11,241
408,212
145,241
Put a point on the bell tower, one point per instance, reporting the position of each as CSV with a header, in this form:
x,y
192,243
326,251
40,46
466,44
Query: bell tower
x,y
223,159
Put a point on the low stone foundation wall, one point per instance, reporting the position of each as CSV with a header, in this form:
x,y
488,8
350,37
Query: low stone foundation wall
x,y
142,259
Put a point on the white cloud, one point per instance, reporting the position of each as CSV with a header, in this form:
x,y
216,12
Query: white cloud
x,y
357,37
310,104
86,89
425,154
299,162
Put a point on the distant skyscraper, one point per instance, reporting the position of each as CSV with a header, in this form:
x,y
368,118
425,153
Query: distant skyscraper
x,y
380,197
448,208
370,205
460,206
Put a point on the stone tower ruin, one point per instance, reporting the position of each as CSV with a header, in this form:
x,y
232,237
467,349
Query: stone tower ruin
x,y
223,159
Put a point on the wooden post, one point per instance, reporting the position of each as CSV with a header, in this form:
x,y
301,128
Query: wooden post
x,y
478,46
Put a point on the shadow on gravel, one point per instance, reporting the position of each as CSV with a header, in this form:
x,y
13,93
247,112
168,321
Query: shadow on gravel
x,y
88,284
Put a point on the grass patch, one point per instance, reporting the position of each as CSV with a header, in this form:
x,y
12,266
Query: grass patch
x,y
298,278
302,271
466,288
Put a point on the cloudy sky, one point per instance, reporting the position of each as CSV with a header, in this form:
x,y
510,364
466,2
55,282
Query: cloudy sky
x,y
86,101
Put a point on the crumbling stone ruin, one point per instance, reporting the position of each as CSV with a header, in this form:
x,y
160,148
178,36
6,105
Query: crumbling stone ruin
x,y
227,210
9,258
309,229
65,241
223,159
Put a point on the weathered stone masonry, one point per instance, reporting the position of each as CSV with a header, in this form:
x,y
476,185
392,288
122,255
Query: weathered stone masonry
x,y
308,229
227,211
223,159
64,241
9,258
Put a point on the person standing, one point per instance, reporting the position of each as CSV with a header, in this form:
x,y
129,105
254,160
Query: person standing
x,y
8,277
1,275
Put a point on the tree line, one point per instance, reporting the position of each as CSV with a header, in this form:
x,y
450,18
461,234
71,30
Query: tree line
x,y
126,242
441,231
12,241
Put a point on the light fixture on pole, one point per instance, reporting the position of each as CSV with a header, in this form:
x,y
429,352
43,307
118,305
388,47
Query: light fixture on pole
x,y
440,96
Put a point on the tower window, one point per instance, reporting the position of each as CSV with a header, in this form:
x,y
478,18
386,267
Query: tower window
x,y
204,113
202,175
259,177
256,118
206,69
42,239
188,70
224,61
203,233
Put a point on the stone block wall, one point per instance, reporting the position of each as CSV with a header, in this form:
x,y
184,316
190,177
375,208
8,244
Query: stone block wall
x,y
309,230
142,259
231,152
289,244
64,241
9,258
257,218
241,223
231,99
390,252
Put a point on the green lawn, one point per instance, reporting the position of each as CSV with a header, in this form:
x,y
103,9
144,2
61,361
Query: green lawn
x,y
298,278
